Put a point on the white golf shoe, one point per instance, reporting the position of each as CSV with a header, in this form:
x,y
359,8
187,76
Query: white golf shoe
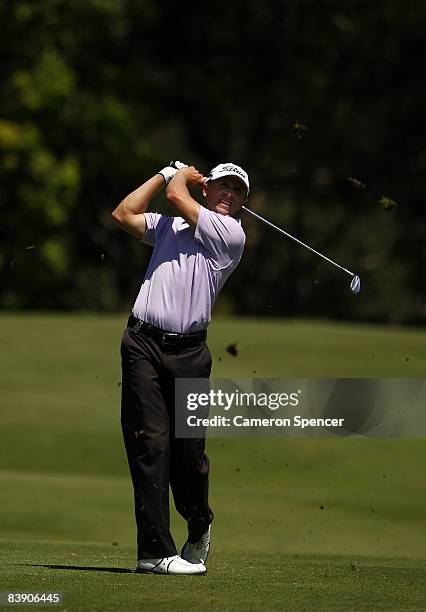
x,y
199,551
170,565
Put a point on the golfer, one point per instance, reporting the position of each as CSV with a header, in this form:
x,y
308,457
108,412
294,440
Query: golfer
x,y
193,254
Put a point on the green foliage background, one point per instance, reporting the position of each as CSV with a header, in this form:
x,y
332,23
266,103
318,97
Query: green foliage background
x,y
97,95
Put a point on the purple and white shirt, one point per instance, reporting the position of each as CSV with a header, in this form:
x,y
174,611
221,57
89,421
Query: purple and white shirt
x,y
187,270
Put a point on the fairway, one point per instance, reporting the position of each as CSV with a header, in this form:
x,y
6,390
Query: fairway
x,y
300,524
96,577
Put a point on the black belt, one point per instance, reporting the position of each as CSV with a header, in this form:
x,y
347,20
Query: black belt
x,y
164,338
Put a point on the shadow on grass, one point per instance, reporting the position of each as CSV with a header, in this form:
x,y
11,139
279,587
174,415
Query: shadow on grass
x,y
84,568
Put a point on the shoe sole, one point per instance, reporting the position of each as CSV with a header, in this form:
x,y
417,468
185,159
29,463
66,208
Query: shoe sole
x,y
138,570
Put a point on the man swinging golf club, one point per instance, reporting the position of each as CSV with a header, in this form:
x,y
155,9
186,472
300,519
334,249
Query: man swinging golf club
x,y
193,255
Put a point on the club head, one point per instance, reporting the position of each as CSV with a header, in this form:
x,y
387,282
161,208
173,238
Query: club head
x,y
356,284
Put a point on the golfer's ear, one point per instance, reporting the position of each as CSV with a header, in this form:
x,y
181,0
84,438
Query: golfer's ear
x,y
205,188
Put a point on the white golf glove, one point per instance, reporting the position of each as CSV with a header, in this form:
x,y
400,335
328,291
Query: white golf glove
x,y
169,171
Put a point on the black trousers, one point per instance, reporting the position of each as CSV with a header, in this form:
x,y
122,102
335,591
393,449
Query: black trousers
x,y
156,458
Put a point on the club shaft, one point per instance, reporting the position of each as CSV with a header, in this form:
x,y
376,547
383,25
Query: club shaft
x,y
296,240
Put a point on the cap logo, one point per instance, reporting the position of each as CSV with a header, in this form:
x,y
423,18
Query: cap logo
x,y
233,169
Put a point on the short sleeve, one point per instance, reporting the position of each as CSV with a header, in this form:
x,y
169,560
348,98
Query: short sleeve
x,y
221,235
151,220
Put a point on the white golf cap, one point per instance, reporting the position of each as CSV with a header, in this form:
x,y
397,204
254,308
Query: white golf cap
x,y
229,169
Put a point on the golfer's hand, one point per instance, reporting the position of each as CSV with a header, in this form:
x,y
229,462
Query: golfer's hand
x,y
192,176
169,171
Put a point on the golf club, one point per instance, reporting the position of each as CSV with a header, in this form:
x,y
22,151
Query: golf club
x,y
355,282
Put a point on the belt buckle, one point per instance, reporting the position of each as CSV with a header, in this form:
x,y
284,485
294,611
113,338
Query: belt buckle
x,y
166,339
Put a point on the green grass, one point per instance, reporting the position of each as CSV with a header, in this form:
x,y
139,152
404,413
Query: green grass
x,y
96,576
300,524
292,349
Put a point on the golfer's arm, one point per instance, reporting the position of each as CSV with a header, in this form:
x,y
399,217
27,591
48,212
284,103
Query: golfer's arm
x,y
129,214
181,201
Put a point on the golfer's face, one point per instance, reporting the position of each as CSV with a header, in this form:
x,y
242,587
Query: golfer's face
x,y
225,195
